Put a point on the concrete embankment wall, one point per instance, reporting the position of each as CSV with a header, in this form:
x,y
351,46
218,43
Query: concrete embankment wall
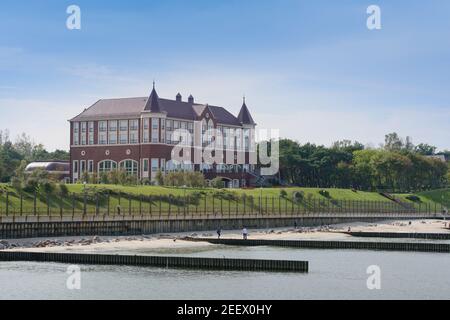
x,y
159,261
16,230
315,244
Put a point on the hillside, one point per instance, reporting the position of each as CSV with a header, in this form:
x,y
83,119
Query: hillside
x,y
150,199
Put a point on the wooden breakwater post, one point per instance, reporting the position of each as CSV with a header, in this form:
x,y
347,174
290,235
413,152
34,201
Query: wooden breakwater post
x,y
160,261
400,235
319,244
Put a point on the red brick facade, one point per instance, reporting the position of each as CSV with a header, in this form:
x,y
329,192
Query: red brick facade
x,y
110,132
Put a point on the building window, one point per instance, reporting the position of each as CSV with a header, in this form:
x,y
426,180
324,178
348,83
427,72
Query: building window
x,y
102,126
133,137
246,140
145,165
155,123
91,166
155,165
134,125
176,124
83,127
75,167
75,140
91,127
123,125
163,164
155,130
82,166
112,138
146,132
83,139
130,167
169,125
76,135
102,138
91,138
168,137
106,166
231,139
112,125
238,139
123,138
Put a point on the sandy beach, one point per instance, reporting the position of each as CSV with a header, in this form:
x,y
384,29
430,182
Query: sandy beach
x,y
173,243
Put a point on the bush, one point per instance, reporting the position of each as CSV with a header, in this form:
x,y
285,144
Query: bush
x,y
217,183
298,196
16,183
63,190
325,193
225,195
414,198
104,179
283,193
47,186
159,178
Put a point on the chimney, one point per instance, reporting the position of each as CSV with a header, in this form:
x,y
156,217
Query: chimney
x,y
191,99
178,98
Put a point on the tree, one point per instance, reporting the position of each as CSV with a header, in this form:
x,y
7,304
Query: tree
x,y
392,142
425,149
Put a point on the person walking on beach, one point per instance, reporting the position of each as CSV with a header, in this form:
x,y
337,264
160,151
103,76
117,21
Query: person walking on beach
x,y
244,233
218,233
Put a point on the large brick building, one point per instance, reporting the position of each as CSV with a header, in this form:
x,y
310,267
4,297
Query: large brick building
x,y
139,135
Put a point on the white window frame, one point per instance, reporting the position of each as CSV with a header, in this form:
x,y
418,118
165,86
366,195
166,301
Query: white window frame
x,y
152,167
104,161
90,166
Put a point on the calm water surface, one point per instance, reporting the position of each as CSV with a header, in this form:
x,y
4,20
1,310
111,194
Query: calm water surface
x,y
334,274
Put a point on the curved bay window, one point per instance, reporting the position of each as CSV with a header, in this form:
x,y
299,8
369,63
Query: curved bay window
x,y
130,166
106,166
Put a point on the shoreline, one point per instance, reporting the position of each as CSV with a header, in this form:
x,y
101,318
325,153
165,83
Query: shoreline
x,y
173,243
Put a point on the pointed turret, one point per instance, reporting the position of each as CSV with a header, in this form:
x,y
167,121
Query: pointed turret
x,y
244,116
152,104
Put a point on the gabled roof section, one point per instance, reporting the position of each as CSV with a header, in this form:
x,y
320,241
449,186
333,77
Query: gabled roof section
x,y
244,116
152,104
133,107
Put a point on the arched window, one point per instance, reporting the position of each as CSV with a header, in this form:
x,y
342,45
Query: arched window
x,y
130,166
106,166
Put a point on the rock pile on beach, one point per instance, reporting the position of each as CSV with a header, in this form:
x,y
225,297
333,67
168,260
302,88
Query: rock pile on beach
x,y
62,243
4,244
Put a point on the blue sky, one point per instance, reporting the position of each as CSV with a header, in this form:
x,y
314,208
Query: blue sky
x,y
310,68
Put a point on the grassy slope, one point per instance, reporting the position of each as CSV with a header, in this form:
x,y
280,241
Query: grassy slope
x,y
440,197
430,198
337,194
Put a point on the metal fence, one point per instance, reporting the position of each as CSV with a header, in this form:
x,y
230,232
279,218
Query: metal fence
x,y
117,204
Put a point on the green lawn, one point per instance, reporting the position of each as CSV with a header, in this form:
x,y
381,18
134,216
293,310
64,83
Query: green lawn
x,y
170,200
432,198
